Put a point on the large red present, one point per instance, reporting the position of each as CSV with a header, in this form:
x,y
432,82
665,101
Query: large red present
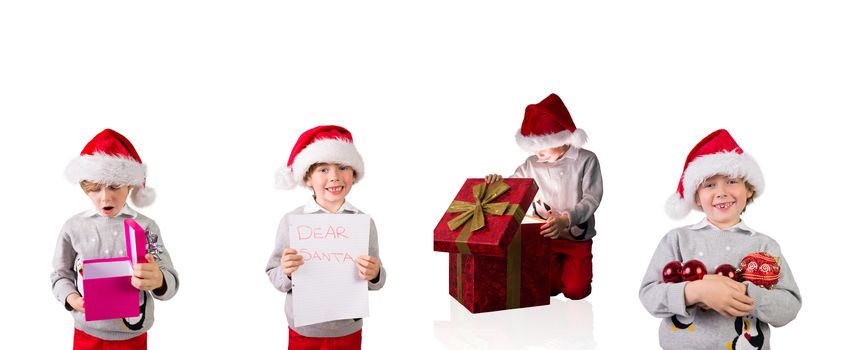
x,y
496,262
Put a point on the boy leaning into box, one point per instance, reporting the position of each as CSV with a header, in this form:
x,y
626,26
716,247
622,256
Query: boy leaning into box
x,y
325,160
109,169
570,182
713,311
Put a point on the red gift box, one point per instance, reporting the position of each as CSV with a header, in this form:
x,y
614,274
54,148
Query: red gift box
x,y
495,261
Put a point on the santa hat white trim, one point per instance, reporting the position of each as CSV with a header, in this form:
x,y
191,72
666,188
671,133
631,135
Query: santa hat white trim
x,y
731,164
112,170
534,143
320,151
106,169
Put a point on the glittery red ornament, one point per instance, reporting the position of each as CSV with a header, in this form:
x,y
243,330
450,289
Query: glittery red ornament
x,y
728,271
672,272
693,270
761,269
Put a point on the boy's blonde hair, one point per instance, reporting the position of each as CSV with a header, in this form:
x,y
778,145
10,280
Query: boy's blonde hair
x,y
753,191
91,186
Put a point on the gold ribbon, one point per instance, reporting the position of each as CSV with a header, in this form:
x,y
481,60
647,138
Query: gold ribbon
x,y
472,213
459,265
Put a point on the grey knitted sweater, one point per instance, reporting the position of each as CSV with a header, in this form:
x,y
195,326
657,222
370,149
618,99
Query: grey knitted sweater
x,y
89,235
689,327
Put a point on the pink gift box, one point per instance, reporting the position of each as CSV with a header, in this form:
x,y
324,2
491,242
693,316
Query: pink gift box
x,y
107,283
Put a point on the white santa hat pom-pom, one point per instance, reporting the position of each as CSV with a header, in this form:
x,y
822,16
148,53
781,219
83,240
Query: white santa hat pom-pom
x,y
143,196
676,207
284,179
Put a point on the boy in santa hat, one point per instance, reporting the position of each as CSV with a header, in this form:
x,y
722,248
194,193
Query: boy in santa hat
x,y
570,182
716,312
109,171
325,160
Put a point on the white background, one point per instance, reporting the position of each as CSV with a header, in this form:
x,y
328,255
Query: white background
x,y
213,94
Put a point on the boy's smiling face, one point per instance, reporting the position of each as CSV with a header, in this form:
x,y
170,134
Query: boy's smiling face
x,y
723,198
331,183
108,199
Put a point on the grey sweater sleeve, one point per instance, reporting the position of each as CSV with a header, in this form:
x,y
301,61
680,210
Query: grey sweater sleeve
x,y
63,276
274,269
664,299
779,305
374,252
171,277
592,187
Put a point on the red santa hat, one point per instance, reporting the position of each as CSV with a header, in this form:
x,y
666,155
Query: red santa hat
x,y
716,154
110,159
548,124
323,144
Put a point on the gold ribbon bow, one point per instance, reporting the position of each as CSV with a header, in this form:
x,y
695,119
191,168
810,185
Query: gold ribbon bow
x,y
474,211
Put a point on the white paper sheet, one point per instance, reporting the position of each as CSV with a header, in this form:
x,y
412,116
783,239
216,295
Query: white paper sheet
x,y
327,287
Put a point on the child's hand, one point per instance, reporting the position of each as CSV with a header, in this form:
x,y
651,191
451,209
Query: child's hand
x,y
492,178
290,261
368,267
720,293
147,276
76,302
555,226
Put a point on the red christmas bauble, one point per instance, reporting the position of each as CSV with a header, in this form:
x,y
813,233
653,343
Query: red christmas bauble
x,y
728,271
672,272
761,269
693,270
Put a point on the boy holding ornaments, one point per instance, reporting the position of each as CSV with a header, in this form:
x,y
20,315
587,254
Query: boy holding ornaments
x,y
713,311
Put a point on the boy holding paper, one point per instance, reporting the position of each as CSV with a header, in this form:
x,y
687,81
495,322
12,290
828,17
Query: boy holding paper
x,y
108,169
325,160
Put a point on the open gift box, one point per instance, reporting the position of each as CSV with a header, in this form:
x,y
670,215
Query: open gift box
x,y
107,283
496,261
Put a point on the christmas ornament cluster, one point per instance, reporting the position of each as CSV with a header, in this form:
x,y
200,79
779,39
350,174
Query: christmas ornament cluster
x,y
758,268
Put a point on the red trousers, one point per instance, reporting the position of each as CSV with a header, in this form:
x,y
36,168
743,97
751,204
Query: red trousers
x,y
297,341
85,341
571,269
